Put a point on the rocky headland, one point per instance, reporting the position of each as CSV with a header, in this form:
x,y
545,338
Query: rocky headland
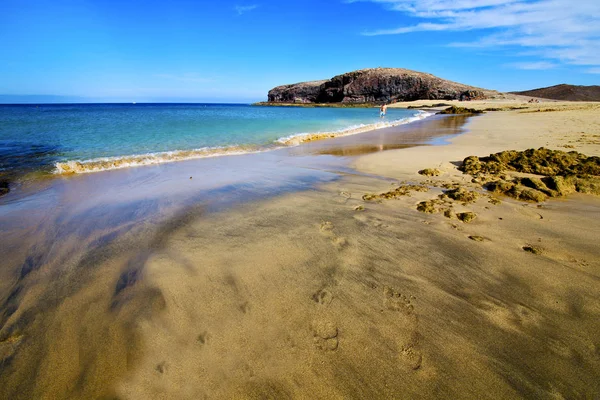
x,y
376,85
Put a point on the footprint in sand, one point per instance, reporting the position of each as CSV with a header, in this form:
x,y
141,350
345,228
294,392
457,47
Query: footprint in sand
x,y
203,337
343,197
411,356
528,212
370,220
408,352
325,335
478,238
327,230
323,297
161,368
393,300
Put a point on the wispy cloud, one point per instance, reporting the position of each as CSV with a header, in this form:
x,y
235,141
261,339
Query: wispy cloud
x,y
593,71
563,31
188,78
536,65
244,9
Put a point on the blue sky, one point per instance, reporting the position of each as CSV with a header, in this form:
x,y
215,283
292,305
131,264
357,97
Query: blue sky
x,y
184,50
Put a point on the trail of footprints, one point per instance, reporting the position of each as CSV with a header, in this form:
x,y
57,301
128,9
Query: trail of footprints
x,y
326,334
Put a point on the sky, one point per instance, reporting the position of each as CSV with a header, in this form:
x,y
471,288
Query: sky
x,y
235,51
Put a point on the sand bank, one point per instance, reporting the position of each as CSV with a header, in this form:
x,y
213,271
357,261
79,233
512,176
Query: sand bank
x,y
319,293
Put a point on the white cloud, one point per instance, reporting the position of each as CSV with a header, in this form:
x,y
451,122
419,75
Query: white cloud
x,y
593,71
536,65
564,31
244,9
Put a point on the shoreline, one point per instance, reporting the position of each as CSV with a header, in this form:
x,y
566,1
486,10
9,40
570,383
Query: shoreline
x,y
55,166
129,161
312,292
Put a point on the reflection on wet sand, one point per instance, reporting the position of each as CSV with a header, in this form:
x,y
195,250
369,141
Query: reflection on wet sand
x,y
348,151
418,133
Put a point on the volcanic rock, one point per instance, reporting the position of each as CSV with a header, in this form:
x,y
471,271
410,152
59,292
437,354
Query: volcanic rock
x,y
376,85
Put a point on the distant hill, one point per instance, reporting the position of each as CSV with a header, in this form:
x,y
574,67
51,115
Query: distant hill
x,y
565,92
376,85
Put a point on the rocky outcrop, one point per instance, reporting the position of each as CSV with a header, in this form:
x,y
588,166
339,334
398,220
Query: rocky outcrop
x,y
376,85
304,92
4,188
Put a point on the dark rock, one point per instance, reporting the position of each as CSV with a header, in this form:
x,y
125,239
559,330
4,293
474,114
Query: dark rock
x,y
460,110
304,92
376,85
4,188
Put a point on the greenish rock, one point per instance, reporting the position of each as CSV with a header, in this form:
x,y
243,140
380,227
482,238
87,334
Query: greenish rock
x,y
430,172
521,192
402,190
562,185
537,184
466,217
540,161
429,206
460,110
589,185
461,194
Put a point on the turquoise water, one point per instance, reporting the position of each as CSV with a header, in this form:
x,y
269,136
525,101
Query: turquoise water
x,y
90,137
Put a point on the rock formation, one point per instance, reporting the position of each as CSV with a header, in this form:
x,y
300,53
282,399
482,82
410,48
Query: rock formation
x,y
376,85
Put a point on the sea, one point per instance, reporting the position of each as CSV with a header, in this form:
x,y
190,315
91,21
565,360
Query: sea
x,y
58,139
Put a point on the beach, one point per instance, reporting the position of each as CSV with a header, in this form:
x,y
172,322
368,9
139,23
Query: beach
x,y
279,279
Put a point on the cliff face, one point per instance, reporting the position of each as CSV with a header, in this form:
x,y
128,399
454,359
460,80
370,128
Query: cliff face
x,y
565,92
304,92
375,85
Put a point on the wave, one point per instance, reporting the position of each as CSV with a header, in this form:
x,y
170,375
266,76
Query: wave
x,y
297,139
110,163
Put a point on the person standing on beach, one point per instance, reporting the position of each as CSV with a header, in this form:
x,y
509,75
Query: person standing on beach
x,y
382,110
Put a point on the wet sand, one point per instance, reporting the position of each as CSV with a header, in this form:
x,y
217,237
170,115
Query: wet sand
x,y
273,278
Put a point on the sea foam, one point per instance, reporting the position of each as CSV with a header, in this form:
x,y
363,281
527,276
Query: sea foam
x,y
110,163
297,139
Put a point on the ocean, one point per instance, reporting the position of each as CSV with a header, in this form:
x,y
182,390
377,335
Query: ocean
x,y
81,138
